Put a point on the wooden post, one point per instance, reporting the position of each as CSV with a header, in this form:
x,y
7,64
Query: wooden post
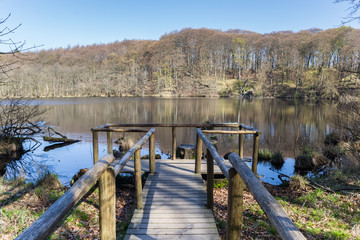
x,y
95,146
174,143
152,154
198,154
210,179
138,183
241,144
107,205
255,153
235,205
48,222
273,210
109,142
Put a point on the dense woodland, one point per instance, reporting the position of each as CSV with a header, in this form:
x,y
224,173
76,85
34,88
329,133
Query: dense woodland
x,y
312,63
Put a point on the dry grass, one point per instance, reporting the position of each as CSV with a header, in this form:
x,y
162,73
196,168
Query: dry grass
x,y
317,213
21,204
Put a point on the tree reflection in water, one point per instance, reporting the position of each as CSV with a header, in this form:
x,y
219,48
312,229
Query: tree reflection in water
x,y
284,124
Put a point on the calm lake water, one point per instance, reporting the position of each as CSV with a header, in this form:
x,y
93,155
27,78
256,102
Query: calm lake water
x,y
283,124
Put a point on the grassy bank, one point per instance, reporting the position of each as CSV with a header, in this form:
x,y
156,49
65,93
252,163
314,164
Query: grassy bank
x,y
325,207
314,206
21,204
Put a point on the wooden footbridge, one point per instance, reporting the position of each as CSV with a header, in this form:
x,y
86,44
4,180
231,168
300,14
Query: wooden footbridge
x,y
174,203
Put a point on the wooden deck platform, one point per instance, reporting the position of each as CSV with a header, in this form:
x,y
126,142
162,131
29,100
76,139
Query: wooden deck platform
x,y
174,205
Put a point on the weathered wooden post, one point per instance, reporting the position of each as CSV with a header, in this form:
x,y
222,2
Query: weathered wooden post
x,y
107,205
210,179
198,154
152,154
109,142
138,183
95,138
241,144
174,143
255,153
107,198
235,205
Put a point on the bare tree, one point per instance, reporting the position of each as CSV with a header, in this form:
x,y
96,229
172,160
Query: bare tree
x,y
353,10
18,117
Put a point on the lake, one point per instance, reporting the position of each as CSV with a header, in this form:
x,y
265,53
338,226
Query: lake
x,y
283,124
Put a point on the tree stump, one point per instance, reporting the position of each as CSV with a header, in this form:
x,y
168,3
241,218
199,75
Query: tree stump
x,y
185,151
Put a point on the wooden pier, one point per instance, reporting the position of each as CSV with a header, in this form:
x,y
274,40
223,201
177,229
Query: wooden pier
x,y
174,205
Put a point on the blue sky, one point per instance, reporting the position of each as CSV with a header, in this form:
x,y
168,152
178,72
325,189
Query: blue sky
x,y
55,23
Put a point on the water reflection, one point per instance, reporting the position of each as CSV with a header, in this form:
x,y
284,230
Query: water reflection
x,y
283,123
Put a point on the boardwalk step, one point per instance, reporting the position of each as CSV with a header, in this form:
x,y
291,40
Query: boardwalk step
x,y
172,237
173,231
173,221
175,211
177,225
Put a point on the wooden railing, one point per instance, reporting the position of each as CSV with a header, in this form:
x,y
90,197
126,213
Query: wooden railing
x,y
105,170
173,126
237,175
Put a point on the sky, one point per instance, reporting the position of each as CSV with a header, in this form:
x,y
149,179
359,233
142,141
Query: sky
x,y
64,23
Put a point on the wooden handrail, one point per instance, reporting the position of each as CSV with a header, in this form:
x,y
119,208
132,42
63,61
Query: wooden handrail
x,y
120,164
105,170
248,128
230,132
47,222
239,174
276,214
219,160
196,125
103,129
115,128
241,143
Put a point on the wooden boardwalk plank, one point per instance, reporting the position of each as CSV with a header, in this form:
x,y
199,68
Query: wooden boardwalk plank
x,y
174,221
174,205
172,231
174,237
172,226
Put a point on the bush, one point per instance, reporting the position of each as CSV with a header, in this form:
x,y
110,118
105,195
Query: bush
x,y
304,162
277,159
332,139
332,152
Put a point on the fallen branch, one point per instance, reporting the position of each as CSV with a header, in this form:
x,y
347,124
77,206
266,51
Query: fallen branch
x,y
57,133
348,188
322,187
63,140
57,145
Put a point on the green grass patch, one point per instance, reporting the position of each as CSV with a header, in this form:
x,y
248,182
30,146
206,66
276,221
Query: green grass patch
x,y
221,183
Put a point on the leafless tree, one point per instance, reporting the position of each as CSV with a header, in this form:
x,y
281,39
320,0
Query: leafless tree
x,y
18,117
353,10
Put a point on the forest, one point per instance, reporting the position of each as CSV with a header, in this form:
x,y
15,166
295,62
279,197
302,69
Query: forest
x,y
311,63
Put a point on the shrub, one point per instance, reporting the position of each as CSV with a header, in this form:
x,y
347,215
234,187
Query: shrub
x,y
277,159
332,139
332,152
304,162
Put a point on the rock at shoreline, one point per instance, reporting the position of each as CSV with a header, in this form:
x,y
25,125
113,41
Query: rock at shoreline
x,y
185,151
